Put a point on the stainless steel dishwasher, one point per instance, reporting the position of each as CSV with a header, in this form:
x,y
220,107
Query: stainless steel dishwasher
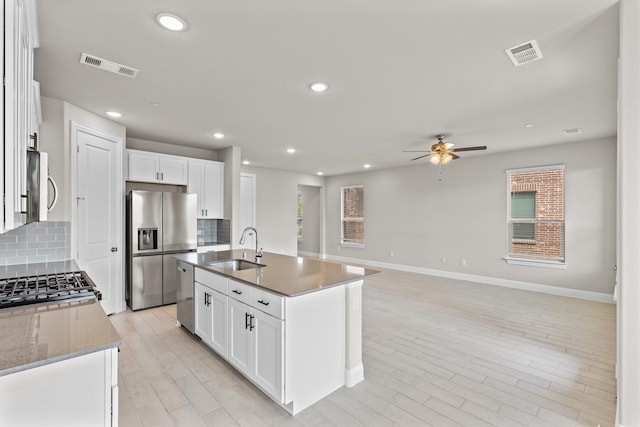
x,y
184,294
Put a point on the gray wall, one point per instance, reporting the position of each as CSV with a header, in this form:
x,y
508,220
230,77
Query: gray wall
x,y
311,218
421,220
276,207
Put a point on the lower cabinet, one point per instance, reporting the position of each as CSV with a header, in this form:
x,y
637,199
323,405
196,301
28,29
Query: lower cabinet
x,y
256,346
211,317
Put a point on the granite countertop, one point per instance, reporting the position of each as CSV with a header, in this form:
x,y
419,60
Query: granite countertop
x,y
39,334
286,275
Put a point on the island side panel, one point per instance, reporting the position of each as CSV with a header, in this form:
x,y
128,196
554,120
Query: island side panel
x,y
354,370
314,349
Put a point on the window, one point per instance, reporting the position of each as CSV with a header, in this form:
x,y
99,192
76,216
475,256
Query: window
x,y
536,215
352,215
299,199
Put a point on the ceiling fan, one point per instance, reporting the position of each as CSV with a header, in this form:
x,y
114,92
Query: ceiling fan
x,y
443,152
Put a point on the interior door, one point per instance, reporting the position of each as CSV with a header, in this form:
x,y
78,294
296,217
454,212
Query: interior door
x,y
98,211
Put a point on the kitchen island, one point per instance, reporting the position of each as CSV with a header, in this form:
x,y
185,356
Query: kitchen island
x,y
291,325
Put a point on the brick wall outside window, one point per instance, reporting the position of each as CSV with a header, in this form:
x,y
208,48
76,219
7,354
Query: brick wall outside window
x,y
352,215
548,186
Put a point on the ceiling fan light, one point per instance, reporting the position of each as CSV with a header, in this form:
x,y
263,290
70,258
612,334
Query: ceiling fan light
x,y
435,159
446,158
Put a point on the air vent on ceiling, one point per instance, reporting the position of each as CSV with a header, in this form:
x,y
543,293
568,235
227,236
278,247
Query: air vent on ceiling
x,y
107,65
572,131
524,53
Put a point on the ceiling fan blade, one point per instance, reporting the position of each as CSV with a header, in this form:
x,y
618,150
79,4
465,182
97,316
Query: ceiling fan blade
x,y
454,156
426,155
484,147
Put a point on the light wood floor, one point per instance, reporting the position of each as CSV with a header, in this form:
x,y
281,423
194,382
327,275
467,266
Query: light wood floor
x,y
436,352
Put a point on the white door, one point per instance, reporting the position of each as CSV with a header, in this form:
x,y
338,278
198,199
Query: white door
x,y
248,206
98,211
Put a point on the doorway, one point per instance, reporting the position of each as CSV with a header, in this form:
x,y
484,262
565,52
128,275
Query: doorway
x,y
308,215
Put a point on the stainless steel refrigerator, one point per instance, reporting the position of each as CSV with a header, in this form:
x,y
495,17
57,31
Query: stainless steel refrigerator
x,y
159,224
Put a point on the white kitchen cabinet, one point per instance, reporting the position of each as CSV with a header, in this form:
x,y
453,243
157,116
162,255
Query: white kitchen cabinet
x,y
20,38
79,391
256,344
206,179
211,310
158,168
292,348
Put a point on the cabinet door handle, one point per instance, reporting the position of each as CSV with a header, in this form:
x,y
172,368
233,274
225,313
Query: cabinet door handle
x,y
207,298
263,302
206,212
157,176
235,291
246,321
161,176
251,325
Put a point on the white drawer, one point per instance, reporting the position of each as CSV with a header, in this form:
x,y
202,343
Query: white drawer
x,y
211,280
268,302
240,291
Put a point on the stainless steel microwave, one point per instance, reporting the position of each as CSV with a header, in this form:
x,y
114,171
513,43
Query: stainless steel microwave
x,y
38,181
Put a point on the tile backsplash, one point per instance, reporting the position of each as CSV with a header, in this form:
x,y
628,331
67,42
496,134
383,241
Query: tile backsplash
x,y
36,242
213,232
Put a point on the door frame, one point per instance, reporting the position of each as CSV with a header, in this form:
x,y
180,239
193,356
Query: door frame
x,y
75,128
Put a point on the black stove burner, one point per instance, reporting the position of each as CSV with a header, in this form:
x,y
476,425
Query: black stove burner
x,y
75,285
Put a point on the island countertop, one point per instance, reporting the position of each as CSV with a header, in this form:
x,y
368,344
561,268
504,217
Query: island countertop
x,y
286,275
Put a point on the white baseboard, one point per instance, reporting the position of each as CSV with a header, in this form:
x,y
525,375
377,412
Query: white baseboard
x,y
353,376
516,284
311,254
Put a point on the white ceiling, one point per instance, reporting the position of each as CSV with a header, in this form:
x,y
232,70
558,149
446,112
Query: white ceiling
x,y
400,72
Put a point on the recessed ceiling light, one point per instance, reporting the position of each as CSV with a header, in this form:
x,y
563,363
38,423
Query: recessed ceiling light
x,y
171,22
218,135
114,114
528,125
367,166
320,173
318,86
291,150
246,162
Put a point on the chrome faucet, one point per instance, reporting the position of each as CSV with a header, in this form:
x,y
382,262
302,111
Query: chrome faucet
x,y
255,232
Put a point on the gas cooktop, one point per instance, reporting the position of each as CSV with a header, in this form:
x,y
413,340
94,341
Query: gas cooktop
x,y
57,287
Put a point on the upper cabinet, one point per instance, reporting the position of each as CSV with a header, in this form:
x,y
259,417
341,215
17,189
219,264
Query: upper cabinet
x,y
19,127
145,166
206,179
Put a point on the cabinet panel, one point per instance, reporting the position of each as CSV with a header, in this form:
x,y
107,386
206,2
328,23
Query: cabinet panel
x,y
267,360
143,166
219,328
173,170
239,336
206,178
203,313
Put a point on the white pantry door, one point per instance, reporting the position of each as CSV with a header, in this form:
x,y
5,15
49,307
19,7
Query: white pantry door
x,y
99,213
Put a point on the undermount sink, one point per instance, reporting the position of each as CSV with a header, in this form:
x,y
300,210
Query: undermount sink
x,y
236,264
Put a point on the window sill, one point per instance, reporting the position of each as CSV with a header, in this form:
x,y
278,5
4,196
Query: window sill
x,y
536,263
352,245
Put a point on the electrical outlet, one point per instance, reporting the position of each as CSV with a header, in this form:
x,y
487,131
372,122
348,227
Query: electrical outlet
x,y
463,262
391,253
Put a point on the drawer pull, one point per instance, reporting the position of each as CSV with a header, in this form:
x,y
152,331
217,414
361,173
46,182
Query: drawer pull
x,y
263,302
235,291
